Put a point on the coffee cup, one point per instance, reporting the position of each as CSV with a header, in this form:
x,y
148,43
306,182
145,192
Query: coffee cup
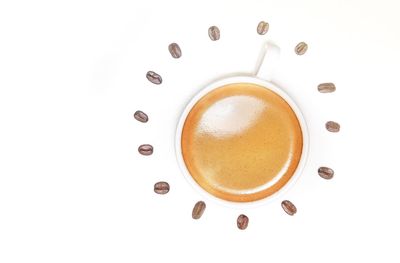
x,y
243,140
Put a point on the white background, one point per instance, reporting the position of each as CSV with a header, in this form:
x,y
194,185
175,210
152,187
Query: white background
x,y
74,189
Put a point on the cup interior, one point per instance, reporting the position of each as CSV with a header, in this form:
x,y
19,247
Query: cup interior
x,y
233,80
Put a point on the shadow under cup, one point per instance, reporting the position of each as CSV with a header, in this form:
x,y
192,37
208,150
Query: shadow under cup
x,y
241,142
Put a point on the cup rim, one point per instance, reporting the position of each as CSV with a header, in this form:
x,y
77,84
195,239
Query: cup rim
x,y
242,79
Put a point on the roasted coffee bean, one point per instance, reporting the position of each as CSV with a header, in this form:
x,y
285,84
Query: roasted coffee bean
x,y
145,149
161,188
242,222
326,172
198,209
289,207
301,48
213,33
154,77
262,28
141,116
326,87
175,50
332,126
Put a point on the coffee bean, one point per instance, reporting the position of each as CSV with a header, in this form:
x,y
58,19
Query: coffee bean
x,y
161,188
326,87
332,126
213,33
145,149
175,50
326,172
242,222
141,116
198,209
262,28
154,77
289,207
301,48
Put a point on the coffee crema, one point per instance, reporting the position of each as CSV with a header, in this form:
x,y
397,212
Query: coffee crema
x,y
241,142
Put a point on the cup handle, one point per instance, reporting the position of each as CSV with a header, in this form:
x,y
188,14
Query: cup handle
x,y
267,61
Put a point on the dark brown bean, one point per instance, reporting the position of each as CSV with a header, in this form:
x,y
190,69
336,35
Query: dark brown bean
x,y
154,77
145,149
301,48
326,87
332,126
326,172
213,33
141,116
262,28
242,222
175,50
198,209
289,207
161,188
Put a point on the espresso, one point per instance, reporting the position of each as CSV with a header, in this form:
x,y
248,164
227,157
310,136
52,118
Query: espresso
x,y
241,142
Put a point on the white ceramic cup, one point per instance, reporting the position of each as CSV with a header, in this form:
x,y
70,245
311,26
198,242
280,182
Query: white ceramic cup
x,y
263,77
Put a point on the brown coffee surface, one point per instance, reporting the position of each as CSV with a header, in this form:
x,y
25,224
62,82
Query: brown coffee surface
x,y
241,142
